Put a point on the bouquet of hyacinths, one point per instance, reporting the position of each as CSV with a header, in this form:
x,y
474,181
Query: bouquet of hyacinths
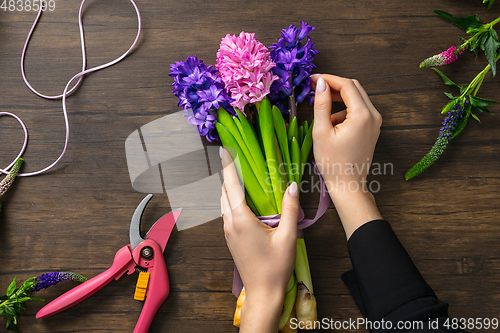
x,y
233,103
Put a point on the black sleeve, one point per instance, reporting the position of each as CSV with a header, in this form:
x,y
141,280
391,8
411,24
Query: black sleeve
x,y
389,290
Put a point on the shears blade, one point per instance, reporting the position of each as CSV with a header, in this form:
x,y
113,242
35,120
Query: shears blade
x,y
159,232
135,223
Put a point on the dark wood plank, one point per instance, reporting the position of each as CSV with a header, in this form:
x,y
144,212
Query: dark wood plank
x,y
76,217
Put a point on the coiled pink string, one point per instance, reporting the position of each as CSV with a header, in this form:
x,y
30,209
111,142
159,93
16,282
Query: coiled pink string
x,y
66,91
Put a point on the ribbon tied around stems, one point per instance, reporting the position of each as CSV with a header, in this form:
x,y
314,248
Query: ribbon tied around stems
x,y
302,223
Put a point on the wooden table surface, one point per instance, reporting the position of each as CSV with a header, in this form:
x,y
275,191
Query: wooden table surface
x,y
75,217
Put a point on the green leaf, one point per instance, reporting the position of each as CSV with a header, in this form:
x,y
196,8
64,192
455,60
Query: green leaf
x,y
461,125
481,104
13,327
463,88
266,126
465,23
12,287
37,299
490,3
446,79
9,310
475,117
450,105
280,129
252,186
490,46
450,96
23,299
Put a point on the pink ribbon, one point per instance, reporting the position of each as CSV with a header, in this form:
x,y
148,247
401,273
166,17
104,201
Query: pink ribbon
x,y
273,221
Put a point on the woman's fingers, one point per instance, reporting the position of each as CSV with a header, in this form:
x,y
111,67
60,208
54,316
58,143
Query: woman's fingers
x,y
289,212
335,94
365,97
322,107
235,194
348,91
338,117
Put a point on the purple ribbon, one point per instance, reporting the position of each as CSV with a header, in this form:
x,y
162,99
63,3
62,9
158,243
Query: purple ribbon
x,y
273,221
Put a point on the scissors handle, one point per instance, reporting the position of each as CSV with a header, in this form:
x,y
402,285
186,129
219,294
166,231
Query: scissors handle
x,y
122,263
158,288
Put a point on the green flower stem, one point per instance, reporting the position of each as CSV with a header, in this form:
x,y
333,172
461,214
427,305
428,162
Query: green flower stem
x,y
487,27
266,126
468,41
302,270
291,100
280,129
289,302
478,80
490,25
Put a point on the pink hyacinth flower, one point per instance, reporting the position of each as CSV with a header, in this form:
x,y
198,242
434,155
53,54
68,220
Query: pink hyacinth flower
x,y
443,58
244,65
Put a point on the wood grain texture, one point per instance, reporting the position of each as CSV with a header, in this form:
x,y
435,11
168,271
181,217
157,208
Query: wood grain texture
x,y
76,217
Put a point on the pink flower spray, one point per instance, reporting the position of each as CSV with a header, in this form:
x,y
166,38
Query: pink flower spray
x,y
244,65
443,58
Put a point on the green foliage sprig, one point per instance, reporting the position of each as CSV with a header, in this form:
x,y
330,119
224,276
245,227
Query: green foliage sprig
x,y
481,37
11,302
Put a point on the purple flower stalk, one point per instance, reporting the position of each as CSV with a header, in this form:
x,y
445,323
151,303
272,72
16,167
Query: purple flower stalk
x,y
443,58
445,135
200,89
9,179
49,279
294,64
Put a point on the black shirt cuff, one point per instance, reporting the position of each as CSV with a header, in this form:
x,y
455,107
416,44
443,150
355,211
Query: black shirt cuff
x,y
383,276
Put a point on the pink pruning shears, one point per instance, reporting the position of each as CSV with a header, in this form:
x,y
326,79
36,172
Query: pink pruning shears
x,y
144,255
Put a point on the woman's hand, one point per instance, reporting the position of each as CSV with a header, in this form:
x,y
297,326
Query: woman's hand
x,y
264,256
343,145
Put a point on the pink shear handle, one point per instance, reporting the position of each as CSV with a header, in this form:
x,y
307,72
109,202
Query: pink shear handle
x,y
158,288
123,261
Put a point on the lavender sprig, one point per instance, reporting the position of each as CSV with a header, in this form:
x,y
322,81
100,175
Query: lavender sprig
x,y
9,179
11,306
456,120
451,124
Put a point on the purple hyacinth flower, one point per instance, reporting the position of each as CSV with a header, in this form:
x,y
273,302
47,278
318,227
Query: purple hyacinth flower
x,y
211,97
294,59
290,35
200,89
305,30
